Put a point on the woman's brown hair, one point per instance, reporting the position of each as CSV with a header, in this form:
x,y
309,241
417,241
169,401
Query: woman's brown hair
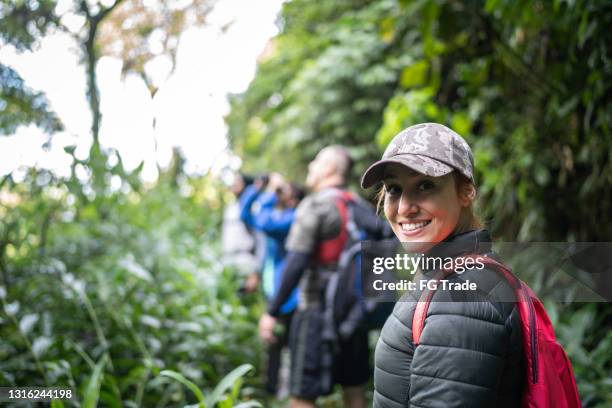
x,y
468,219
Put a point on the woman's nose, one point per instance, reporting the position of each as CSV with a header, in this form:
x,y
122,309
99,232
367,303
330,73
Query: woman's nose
x,y
407,205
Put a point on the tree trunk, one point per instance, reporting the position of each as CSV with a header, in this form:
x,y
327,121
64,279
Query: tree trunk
x,y
93,93
91,61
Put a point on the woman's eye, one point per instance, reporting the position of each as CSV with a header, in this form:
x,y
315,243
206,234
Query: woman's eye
x,y
425,185
393,190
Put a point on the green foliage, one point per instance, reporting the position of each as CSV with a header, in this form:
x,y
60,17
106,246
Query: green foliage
x,y
137,43
526,83
92,391
181,379
318,86
588,347
104,286
20,105
22,24
232,381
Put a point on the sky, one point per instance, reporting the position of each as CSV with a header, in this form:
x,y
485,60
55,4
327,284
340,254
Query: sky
x,y
189,107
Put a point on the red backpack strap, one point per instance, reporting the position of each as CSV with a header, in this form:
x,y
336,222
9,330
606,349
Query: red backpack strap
x,y
420,312
329,251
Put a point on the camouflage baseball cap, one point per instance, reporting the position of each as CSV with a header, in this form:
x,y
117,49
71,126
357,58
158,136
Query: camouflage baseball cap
x,y
429,148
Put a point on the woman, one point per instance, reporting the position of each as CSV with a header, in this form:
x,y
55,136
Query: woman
x,y
470,352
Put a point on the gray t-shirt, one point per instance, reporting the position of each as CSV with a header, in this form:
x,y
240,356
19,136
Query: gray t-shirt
x,y
316,219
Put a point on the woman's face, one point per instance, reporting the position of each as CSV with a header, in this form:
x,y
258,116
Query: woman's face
x,y
420,208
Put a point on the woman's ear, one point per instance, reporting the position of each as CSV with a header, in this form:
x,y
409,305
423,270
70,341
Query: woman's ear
x,y
467,194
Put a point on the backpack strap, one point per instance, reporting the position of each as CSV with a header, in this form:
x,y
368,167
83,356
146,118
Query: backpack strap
x,y
328,251
420,312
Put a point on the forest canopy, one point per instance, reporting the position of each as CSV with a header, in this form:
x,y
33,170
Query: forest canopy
x,y
528,84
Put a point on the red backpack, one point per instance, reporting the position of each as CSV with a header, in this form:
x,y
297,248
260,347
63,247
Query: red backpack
x,y
551,382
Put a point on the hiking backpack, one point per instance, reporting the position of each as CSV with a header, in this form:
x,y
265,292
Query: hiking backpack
x,y
346,307
550,378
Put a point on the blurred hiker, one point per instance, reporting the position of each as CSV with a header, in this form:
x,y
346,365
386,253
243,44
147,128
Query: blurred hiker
x,y
271,209
243,248
314,246
457,348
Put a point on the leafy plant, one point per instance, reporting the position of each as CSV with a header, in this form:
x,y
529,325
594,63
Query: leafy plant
x,y
232,381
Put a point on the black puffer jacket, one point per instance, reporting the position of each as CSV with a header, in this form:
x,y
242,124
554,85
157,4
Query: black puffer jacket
x,y
470,352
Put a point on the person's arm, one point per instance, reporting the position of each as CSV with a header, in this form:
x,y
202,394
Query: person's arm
x,y
247,198
295,265
267,200
274,222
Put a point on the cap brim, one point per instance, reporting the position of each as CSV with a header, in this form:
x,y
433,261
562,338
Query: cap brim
x,y
419,163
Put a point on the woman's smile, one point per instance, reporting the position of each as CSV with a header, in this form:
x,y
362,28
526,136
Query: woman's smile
x,y
413,228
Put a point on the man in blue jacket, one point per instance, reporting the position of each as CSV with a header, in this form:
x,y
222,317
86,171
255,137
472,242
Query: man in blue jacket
x,y
271,209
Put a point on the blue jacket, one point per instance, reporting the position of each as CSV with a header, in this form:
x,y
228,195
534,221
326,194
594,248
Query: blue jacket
x,y
258,211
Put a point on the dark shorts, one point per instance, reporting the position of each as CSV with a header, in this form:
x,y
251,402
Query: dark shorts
x,y
314,366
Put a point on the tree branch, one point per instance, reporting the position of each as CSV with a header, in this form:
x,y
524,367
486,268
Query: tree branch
x,y
104,12
85,9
